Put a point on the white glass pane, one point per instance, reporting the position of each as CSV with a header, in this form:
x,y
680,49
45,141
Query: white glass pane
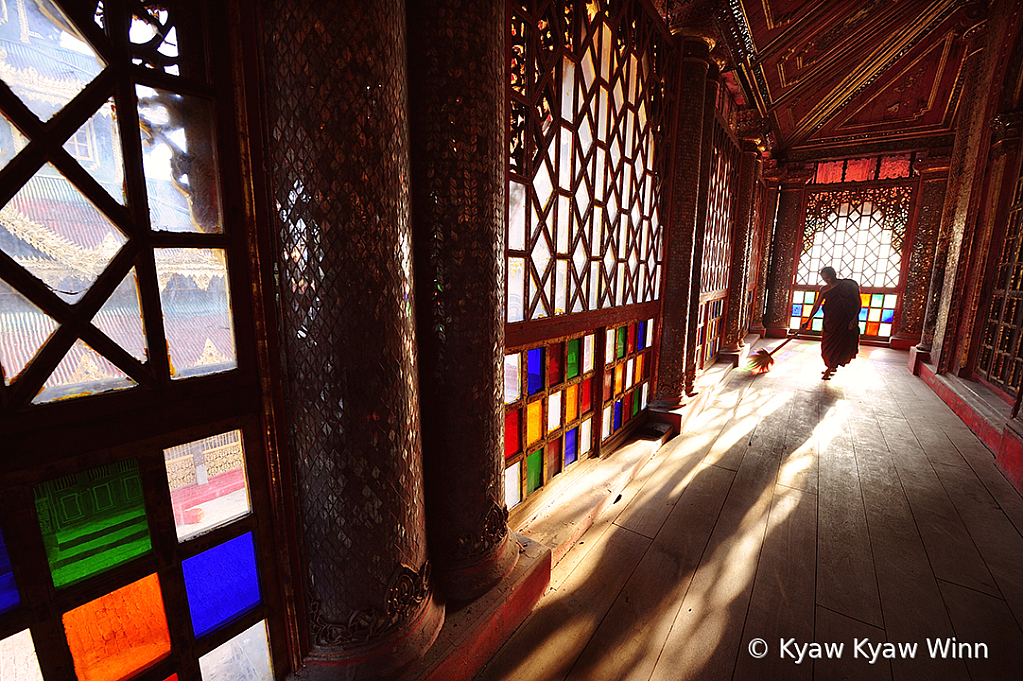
x,y
554,412
207,483
179,161
246,657
120,318
517,216
588,353
83,371
513,485
512,383
196,304
516,284
24,329
586,436
18,661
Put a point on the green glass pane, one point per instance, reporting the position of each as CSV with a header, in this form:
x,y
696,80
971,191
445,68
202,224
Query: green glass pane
x,y
574,348
817,325
808,297
92,521
635,402
534,471
620,342
877,300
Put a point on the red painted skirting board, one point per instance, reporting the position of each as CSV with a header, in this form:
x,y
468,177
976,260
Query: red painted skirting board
x,y
1000,438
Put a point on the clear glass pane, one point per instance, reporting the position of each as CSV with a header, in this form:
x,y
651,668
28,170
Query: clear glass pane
x,y
179,161
11,141
207,483
196,310
517,216
97,147
83,371
43,57
246,657
56,233
119,634
92,521
516,286
18,661
588,354
585,437
155,39
24,329
513,485
120,318
512,382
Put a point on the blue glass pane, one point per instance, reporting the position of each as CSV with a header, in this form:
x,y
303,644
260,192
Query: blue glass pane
x,y
221,583
820,313
641,336
571,445
864,311
887,316
618,415
8,591
534,369
797,310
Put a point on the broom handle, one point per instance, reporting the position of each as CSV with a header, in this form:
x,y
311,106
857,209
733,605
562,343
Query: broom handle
x,y
802,328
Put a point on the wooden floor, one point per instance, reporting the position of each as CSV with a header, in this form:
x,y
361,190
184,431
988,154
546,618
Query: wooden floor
x,y
859,510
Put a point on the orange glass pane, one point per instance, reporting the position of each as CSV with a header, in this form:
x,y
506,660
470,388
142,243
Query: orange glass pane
x,y
571,403
120,634
534,421
619,378
639,369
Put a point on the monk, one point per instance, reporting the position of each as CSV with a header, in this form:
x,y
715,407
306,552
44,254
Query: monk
x,y
840,337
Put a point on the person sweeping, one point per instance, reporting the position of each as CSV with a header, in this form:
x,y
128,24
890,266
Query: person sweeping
x,y
840,336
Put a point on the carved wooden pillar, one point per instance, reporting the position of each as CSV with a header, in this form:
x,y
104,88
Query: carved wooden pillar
x,y
742,236
338,145
696,278
685,190
766,228
457,119
787,232
930,199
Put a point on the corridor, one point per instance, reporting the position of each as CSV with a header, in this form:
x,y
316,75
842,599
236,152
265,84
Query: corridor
x,y
856,512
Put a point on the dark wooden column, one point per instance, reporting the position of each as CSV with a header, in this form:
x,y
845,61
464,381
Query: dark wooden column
x,y
787,232
457,119
930,199
766,227
684,193
335,93
696,278
742,237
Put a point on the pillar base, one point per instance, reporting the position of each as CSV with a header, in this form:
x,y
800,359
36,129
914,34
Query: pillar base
x,y
902,341
384,658
917,356
467,580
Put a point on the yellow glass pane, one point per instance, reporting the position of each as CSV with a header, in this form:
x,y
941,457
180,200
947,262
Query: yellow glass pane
x,y
639,369
571,403
534,421
619,378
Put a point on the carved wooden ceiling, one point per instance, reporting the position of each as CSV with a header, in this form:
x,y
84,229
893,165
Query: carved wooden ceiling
x,y
827,74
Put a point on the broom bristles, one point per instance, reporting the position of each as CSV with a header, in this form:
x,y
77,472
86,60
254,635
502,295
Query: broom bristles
x,y
761,361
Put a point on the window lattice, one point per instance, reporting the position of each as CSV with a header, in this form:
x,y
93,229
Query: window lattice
x,y
584,231
1000,361
721,198
858,232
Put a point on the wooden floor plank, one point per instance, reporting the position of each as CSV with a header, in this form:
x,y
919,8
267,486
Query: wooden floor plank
x,y
979,618
547,644
782,602
952,553
911,603
627,642
857,662
704,638
999,543
845,568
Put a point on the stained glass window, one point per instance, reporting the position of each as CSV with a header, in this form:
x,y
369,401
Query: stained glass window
x,y
221,583
18,659
708,332
246,657
92,521
626,377
584,230
9,598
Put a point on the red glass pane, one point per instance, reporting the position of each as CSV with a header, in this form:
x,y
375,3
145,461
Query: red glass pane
x,y
894,167
630,345
119,634
829,172
627,410
608,378
511,432
554,457
555,364
872,328
860,169
586,396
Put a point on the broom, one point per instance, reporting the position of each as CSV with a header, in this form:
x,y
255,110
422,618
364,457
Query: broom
x,y
761,361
